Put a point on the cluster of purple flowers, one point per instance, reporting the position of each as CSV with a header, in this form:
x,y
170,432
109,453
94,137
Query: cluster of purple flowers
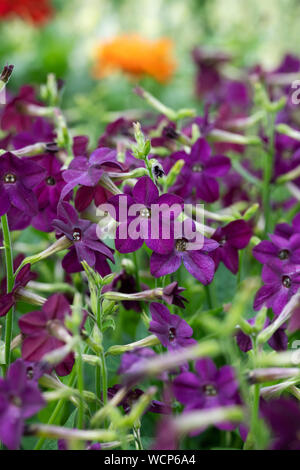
x,y
57,189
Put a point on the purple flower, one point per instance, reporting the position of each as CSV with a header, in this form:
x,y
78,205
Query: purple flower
x,y
36,330
201,170
283,417
131,358
209,77
172,331
40,131
282,281
231,239
18,178
116,131
88,172
208,388
20,399
172,295
197,261
48,192
125,283
7,301
13,115
136,211
278,342
286,250
132,396
86,244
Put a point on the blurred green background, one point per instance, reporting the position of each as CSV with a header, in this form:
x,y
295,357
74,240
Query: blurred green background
x,y
252,30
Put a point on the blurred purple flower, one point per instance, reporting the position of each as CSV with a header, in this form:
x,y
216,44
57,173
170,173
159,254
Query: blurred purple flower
x,y
36,330
20,398
8,300
283,417
208,388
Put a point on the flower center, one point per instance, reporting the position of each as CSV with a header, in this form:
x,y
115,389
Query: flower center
x,y
286,282
223,241
172,334
30,373
210,390
145,213
76,235
50,181
14,400
283,255
10,178
197,168
181,245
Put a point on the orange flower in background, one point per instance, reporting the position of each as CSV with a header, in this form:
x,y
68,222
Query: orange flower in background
x,y
32,11
136,56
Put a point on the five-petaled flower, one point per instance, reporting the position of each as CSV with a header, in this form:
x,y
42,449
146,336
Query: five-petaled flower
x,y
172,331
86,244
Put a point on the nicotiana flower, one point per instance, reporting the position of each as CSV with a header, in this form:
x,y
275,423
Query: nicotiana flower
x,y
18,178
13,116
37,330
8,300
197,261
283,416
232,238
278,342
48,192
116,131
172,295
209,76
87,172
125,283
172,331
201,170
132,396
131,358
208,388
137,221
86,244
20,398
286,250
40,131
282,281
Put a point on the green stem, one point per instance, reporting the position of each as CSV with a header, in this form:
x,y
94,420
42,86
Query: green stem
x,y
208,297
57,410
101,372
104,378
99,324
80,385
10,285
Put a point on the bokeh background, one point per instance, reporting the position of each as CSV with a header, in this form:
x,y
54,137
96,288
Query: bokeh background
x,y
253,31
